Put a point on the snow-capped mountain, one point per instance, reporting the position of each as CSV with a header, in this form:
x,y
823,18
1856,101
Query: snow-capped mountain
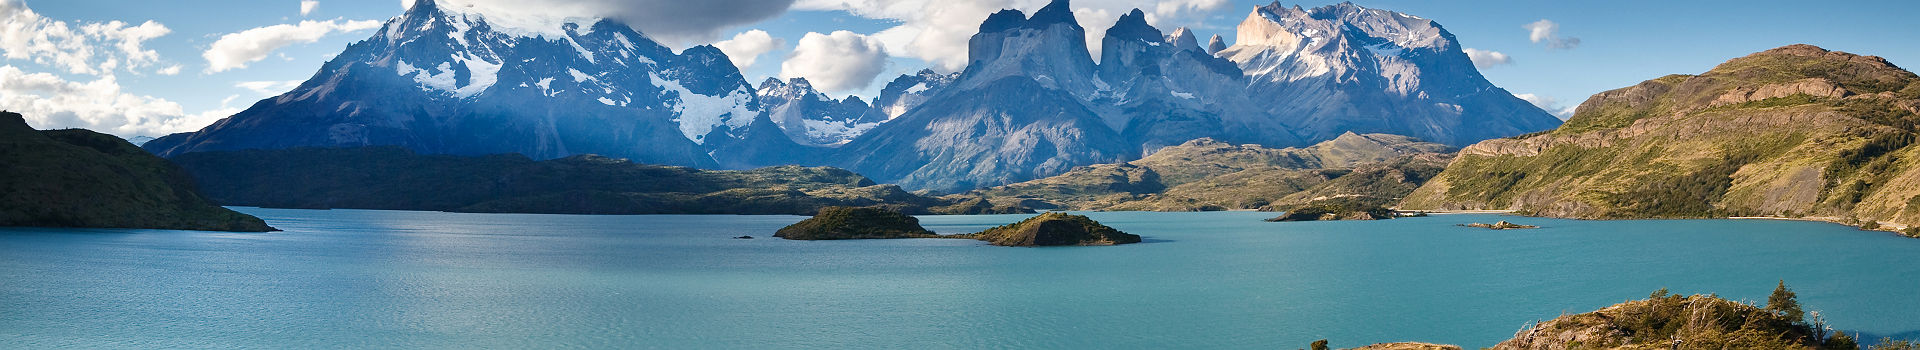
x,y
1296,77
811,118
910,90
447,80
1018,112
1340,68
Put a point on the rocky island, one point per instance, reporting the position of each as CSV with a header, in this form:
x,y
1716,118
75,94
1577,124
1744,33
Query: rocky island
x,y
80,178
1502,225
1049,229
856,223
1055,229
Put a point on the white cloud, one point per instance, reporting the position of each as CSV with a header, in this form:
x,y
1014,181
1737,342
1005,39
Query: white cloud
x,y
1484,59
307,6
50,102
937,30
268,88
94,48
169,71
673,22
838,62
747,47
236,50
1548,32
1550,104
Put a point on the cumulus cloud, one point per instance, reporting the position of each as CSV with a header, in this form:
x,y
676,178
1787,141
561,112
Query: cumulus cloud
x,y
937,30
268,88
747,47
307,6
51,102
76,47
1547,32
838,62
1486,59
170,70
236,50
1550,104
669,21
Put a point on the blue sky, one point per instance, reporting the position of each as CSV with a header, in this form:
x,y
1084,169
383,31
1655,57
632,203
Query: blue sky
x,y
1620,42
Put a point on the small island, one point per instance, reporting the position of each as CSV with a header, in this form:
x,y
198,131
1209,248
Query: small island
x,y
1049,229
1502,225
855,223
1055,229
1332,210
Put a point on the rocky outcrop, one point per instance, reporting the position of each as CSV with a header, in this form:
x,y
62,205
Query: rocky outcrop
x,y
834,223
1796,131
80,178
1502,225
1695,322
1407,346
1055,229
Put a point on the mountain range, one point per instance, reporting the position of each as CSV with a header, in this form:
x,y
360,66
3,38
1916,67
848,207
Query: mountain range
x,y
1031,103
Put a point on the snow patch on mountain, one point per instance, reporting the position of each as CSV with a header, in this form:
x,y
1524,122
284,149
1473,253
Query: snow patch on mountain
x,y
701,114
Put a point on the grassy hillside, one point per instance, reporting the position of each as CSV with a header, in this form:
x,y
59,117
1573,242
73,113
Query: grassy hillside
x,y
1205,174
1796,131
80,178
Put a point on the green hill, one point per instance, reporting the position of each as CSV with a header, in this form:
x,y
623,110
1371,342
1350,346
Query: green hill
x,y
80,178
1204,174
1796,131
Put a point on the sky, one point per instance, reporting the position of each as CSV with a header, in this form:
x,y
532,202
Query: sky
x,y
150,68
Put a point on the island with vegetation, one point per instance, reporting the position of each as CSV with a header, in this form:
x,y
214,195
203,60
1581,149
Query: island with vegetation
x,y
1047,229
855,223
80,178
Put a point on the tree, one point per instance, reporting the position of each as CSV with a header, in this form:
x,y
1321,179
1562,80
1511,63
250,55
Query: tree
x,y
1783,303
1320,344
1840,341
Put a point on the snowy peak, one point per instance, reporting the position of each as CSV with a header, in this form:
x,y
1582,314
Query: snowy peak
x,y
910,90
809,117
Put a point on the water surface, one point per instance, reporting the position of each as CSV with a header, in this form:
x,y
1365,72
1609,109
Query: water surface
x,y
383,279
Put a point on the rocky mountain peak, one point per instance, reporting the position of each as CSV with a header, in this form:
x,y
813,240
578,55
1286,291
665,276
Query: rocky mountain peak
x,y
1050,48
1133,26
1216,44
1183,39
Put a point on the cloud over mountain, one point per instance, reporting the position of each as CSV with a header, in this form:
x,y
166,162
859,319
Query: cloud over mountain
x,y
236,50
837,62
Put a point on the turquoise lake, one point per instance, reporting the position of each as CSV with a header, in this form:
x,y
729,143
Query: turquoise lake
x,y
394,279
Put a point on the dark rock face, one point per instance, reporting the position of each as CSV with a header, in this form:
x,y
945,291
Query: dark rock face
x,y
440,81
80,178
1055,229
855,223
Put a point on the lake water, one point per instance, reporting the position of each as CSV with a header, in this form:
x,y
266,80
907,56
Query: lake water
x,y
359,279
